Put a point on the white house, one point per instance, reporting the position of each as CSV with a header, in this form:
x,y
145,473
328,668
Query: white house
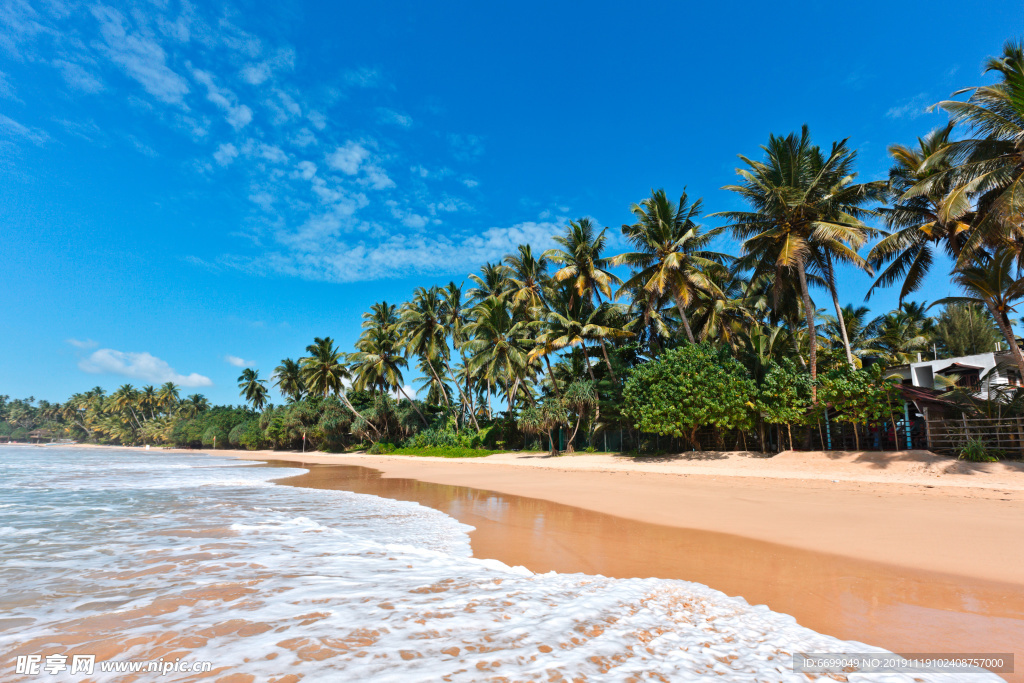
x,y
968,371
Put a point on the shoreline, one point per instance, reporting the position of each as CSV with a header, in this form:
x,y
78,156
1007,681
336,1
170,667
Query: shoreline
x,y
904,509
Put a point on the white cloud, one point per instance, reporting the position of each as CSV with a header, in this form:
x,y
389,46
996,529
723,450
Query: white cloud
x,y
77,77
391,116
260,72
141,366
35,135
140,57
225,154
470,183
363,77
237,115
82,343
378,179
912,108
348,158
238,362
318,251
307,169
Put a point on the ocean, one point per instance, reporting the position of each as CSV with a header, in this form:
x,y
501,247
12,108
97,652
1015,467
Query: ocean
x,y
175,560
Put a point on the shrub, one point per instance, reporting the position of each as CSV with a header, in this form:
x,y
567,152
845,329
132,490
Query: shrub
x,y
19,434
975,450
252,436
213,436
688,388
380,448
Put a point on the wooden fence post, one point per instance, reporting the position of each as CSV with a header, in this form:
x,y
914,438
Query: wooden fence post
x,y
927,430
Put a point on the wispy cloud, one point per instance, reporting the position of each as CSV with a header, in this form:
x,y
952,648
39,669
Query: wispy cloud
x,y
140,366
912,108
78,77
141,57
238,362
363,77
12,127
238,115
82,343
390,116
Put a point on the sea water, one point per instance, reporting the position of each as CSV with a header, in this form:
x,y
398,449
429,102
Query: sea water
x,y
148,556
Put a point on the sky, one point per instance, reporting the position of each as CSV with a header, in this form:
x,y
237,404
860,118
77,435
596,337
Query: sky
x,y
190,189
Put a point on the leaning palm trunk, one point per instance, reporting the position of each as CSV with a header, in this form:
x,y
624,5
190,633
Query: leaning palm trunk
x,y
551,372
839,313
345,401
444,394
1011,338
686,322
604,350
812,332
414,406
465,400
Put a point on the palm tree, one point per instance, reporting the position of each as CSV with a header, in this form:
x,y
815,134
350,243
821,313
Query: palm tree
x,y
988,169
288,379
920,222
167,399
993,281
671,256
323,372
965,330
582,262
423,331
379,360
903,333
806,213
193,405
148,400
497,343
492,282
253,389
862,332
527,277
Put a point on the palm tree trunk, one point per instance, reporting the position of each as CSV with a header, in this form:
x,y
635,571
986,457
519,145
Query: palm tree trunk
x,y
569,444
1011,338
813,341
686,322
551,372
415,407
444,394
490,412
586,359
607,362
462,395
344,399
839,312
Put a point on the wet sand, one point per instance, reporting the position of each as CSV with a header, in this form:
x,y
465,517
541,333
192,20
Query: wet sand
x,y
899,608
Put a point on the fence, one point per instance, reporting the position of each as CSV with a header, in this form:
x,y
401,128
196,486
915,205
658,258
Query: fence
x,y
827,434
949,437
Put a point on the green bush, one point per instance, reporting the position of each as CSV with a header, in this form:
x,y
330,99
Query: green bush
x,y
19,434
5,429
442,452
251,437
380,448
214,436
975,450
235,435
688,388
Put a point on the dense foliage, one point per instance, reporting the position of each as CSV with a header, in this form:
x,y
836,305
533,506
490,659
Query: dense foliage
x,y
688,388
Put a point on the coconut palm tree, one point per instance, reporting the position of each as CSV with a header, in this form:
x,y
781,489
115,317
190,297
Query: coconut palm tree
x,y
988,168
993,281
167,399
582,260
527,277
424,333
920,222
288,379
498,343
379,360
492,282
670,256
806,212
324,372
253,389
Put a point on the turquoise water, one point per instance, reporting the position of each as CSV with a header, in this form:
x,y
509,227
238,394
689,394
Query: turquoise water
x,y
143,555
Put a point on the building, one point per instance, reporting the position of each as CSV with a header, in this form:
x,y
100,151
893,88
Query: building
x,y
980,372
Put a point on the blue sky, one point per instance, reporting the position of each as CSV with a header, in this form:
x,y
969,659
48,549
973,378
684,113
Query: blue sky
x,y
190,187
